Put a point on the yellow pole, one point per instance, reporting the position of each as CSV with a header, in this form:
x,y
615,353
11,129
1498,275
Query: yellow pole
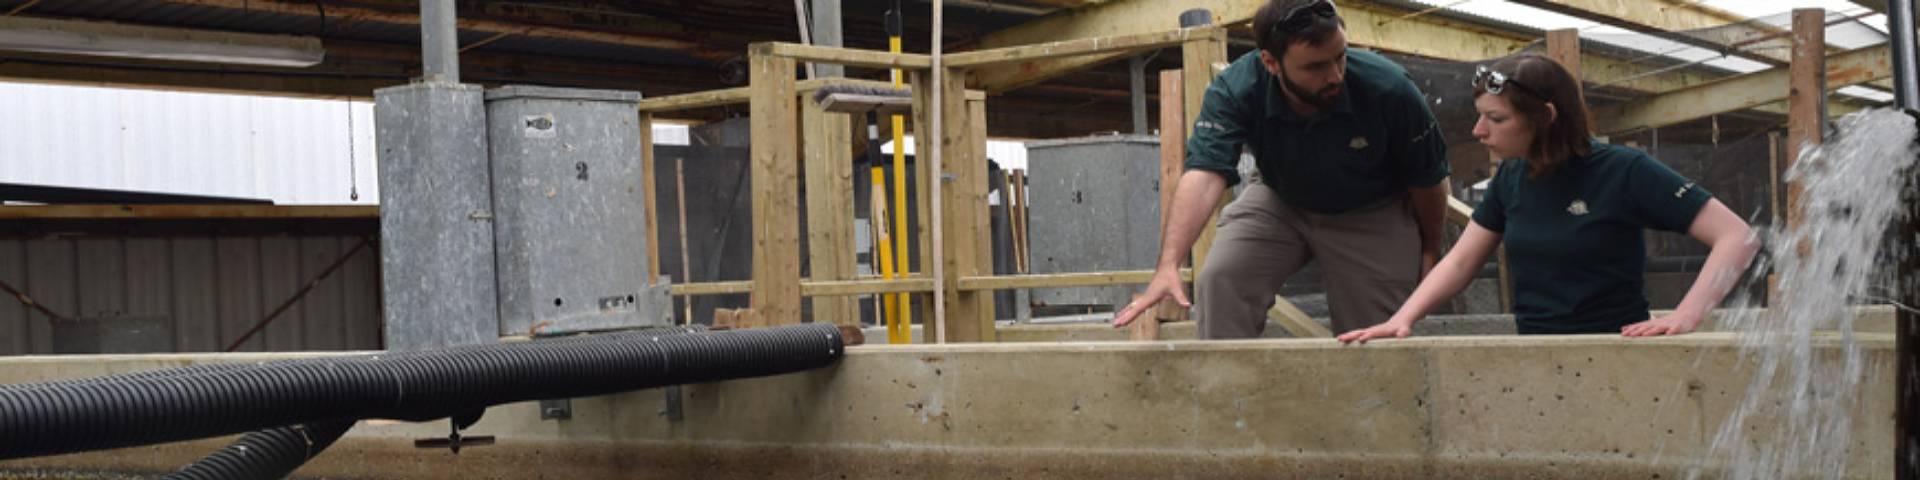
x,y
899,327
883,238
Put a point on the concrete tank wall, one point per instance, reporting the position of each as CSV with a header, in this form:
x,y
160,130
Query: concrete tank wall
x,y
1490,407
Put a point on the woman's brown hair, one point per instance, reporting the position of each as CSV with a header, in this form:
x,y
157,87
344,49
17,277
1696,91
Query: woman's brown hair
x,y
1542,81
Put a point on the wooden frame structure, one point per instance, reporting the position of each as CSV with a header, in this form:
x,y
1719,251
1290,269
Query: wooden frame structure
x,y
774,101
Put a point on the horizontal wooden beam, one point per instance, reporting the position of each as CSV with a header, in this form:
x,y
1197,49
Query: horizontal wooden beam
x,y
809,288
1459,212
1073,48
1057,280
349,13
740,95
845,56
1737,93
184,212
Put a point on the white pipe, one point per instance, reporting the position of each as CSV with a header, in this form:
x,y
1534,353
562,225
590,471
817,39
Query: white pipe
x,y
800,13
938,176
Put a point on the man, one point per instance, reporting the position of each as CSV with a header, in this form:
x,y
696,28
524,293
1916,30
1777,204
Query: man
x,y
1352,168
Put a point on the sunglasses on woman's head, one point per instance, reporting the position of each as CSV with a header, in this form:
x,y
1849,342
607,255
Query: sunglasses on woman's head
x,y
1495,82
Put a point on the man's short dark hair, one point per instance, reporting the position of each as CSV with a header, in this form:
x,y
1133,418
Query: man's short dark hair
x,y
1275,38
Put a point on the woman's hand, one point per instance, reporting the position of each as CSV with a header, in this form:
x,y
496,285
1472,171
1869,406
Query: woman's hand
x,y
1670,324
1388,329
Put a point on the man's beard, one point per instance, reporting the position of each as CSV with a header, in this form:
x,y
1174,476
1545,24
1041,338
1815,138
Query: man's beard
x,y
1322,99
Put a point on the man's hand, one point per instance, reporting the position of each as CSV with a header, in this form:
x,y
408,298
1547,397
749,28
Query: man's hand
x,y
1388,329
1166,283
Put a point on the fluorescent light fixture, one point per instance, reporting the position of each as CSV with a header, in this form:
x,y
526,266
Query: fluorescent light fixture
x,y
74,37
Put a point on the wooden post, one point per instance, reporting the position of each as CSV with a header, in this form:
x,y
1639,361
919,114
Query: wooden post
x,y
686,258
776,263
1563,46
1173,156
1197,58
964,203
1806,95
649,192
828,159
922,82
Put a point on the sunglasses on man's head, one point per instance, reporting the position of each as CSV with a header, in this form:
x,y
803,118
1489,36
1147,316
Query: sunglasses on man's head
x,y
1495,82
1300,17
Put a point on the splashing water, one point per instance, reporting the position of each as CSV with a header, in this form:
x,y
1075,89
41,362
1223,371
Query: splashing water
x,y
1797,415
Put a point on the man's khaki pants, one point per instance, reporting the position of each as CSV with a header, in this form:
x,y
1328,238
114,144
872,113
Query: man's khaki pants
x,y
1370,256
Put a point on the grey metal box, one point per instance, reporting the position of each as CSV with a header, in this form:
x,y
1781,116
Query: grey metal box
x,y
436,237
569,224
1094,207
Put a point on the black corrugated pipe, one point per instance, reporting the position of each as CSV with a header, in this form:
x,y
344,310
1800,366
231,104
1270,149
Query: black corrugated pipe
x,y
141,409
270,453
277,452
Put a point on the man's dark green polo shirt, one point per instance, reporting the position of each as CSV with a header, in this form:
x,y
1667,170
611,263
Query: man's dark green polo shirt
x,y
1574,239
1378,139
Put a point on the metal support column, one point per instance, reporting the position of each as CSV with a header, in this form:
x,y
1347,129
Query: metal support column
x,y
1137,69
439,42
1906,93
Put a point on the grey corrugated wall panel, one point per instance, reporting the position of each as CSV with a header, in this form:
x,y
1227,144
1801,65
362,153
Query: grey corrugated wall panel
x,y
279,279
211,289
196,295
239,286
51,275
14,339
321,309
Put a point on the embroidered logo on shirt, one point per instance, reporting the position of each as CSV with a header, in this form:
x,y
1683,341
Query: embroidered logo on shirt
x,y
1578,207
1208,125
1683,190
1358,143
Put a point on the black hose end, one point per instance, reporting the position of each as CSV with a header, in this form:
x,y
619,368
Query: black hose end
x,y
893,24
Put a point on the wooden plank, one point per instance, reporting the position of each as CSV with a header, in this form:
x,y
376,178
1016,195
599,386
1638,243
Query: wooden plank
x,y
976,186
410,16
739,95
196,295
1196,63
829,176
323,307
1296,321
1563,46
921,306
53,282
1073,48
280,278
240,285
1806,96
1061,280
962,165
859,286
845,56
863,103
1173,156
650,190
1459,212
150,281
182,212
776,264
14,336
1739,92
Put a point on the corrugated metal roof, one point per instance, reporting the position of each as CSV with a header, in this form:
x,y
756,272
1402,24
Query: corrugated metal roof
x,y
293,151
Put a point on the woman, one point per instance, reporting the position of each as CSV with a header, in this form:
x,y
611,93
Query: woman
x,y
1571,211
